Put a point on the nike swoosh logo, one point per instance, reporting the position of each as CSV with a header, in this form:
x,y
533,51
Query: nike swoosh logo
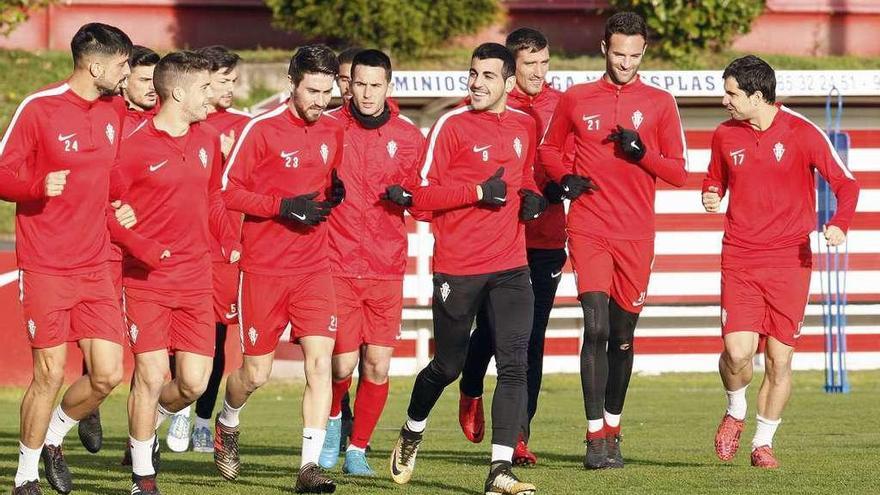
x,y
157,166
478,149
406,194
634,145
230,316
65,138
297,215
496,198
306,438
394,470
555,275
288,155
591,117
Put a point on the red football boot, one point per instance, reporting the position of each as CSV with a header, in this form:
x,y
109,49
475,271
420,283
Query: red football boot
x,y
727,437
522,456
470,417
763,457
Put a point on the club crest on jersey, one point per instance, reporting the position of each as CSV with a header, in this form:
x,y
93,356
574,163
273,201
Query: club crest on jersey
x,y
252,335
32,328
110,132
133,333
445,290
637,119
325,153
203,157
778,151
392,148
517,146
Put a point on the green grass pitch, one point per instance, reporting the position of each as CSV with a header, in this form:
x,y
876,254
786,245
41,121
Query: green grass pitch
x,y
826,444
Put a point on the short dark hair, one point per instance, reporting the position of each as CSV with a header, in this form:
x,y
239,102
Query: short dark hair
x,y
495,50
526,39
347,56
753,74
312,59
372,58
174,66
142,56
220,57
626,23
99,38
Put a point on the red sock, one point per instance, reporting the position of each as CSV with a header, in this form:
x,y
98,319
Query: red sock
x,y
592,435
368,408
339,390
612,431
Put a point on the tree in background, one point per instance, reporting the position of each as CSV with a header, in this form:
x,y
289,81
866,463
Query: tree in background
x,y
14,12
679,28
401,27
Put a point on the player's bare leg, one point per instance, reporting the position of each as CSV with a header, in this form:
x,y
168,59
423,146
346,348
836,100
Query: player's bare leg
x,y
36,409
150,370
317,358
104,362
190,380
735,367
253,374
772,398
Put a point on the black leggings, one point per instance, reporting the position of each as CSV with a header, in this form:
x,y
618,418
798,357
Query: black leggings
x,y
455,304
606,354
545,266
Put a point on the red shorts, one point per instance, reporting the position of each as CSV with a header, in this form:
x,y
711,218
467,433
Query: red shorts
x,y
170,320
69,308
769,301
369,313
225,292
617,267
268,305
116,274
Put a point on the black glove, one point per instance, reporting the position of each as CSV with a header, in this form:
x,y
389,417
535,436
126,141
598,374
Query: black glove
x,y
305,209
630,143
397,195
336,192
574,185
494,189
553,192
531,205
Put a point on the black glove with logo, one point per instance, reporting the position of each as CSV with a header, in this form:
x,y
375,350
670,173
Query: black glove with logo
x,y
494,189
397,195
574,185
305,209
553,192
630,143
336,192
531,205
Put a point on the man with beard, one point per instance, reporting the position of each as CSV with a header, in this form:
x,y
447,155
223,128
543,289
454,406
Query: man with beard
x,y
627,135
55,162
139,98
475,153
277,176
